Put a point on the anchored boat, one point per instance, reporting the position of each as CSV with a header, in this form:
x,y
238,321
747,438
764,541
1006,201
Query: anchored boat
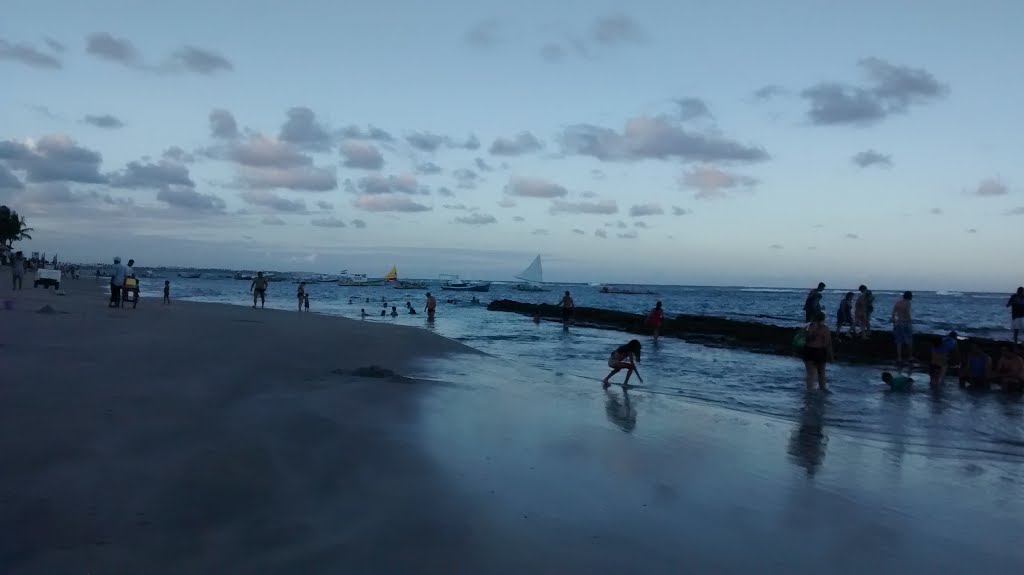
x,y
451,282
533,275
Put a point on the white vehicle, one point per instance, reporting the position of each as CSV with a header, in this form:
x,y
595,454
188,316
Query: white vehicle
x,y
47,278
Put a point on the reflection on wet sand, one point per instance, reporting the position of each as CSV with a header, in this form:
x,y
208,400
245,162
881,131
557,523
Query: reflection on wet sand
x,y
808,441
620,411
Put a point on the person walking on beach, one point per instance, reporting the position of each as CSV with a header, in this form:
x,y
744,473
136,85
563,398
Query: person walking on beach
x,y
431,307
845,315
624,357
17,271
817,351
259,290
167,292
1016,305
903,328
301,294
863,309
654,319
812,305
117,276
568,309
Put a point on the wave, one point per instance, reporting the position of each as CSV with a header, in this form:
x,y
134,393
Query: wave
x,y
949,293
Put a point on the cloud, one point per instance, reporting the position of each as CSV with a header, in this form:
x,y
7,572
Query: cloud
x,y
506,202
641,224
177,154
935,211
534,188
677,211
189,199
656,138
325,205
272,201
1019,211
646,210
521,143
852,237
374,185
578,232
361,155
329,222
303,178
693,109
621,225
161,175
627,235
775,247
222,124
272,221
53,158
8,181
428,168
605,207
540,232
108,47
302,129
974,231
600,233
445,192
28,55
711,182
869,158
258,151
482,165
459,207
357,223
483,34
466,179
552,52
991,188
616,29
768,92
518,219
389,203
353,132
431,142
201,61
476,219
890,89
54,45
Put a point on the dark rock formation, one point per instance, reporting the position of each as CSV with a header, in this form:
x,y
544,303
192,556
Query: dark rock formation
x,y
749,336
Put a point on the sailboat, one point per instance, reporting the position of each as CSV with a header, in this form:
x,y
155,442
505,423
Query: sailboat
x,y
392,276
533,275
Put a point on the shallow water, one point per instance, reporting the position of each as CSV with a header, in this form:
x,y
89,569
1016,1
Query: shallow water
x,y
953,423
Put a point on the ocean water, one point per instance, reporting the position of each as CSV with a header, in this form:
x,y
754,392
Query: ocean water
x,y
953,423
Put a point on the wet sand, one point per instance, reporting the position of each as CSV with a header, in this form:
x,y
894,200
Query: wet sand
x,y
204,438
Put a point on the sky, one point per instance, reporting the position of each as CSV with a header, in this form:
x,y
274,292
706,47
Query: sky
x,y
688,142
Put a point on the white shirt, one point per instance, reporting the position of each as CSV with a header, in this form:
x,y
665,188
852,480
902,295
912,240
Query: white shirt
x,y
119,274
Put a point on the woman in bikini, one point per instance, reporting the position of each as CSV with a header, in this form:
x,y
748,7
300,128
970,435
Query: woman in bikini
x,y
655,318
624,357
817,351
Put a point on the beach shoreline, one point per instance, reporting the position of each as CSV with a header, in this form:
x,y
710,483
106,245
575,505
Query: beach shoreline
x,y
209,438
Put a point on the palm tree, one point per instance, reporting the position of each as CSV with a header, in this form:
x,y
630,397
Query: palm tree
x,y
13,227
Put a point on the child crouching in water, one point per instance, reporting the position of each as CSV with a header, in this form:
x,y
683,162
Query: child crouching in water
x,y
897,382
624,357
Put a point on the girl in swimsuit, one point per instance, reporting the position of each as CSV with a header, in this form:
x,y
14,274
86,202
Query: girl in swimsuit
x,y
655,318
817,351
624,357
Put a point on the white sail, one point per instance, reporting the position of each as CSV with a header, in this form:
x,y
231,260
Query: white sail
x,y
532,274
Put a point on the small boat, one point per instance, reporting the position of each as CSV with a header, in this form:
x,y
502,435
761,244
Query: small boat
x,y
454,283
409,284
244,276
189,275
392,276
626,291
357,280
533,275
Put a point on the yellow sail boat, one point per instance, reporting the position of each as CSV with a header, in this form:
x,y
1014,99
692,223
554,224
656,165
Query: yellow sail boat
x,y
392,275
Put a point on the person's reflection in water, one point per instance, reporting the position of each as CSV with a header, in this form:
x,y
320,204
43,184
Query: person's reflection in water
x,y
620,411
808,441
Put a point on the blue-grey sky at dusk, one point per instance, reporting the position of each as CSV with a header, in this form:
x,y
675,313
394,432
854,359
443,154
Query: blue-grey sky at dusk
x,y
727,142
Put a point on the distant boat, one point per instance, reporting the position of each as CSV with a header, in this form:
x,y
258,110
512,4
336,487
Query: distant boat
x,y
357,280
189,275
626,291
392,276
409,284
243,276
533,275
454,283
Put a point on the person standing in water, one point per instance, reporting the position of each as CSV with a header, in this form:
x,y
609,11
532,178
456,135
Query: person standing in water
x,y
568,309
167,292
817,351
431,307
845,314
863,309
654,319
1016,305
301,294
903,328
624,357
259,290
812,305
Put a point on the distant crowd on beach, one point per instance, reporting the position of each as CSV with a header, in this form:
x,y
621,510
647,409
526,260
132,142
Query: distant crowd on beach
x,y
975,368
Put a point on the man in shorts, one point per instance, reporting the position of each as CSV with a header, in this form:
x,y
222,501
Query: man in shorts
x,y
568,308
431,307
863,309
812,305
1016,305
903,328
259,290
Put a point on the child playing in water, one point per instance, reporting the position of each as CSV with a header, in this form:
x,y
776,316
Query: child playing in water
x,y
363,314
624,357
305,300
898,382
654,319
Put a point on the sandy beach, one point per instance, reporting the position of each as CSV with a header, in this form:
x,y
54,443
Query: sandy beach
x,y
206,438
